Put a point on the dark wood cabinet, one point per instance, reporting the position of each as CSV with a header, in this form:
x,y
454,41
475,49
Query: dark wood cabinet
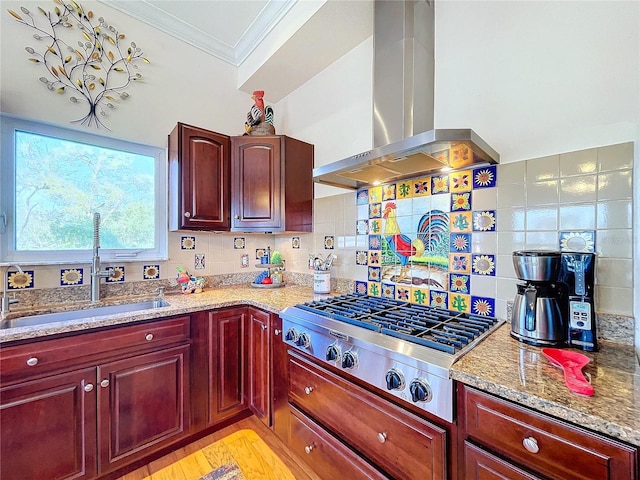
x,y
271,184
227,366
525,442
260,364
88,404
48,427
199,179
142,404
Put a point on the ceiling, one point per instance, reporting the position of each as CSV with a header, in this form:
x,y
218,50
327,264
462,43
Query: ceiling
x,y
231,30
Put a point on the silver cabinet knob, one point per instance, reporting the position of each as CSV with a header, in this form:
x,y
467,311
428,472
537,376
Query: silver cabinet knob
x,y
148,337
531,445
264,327
277,332
382,437
308,390
104,383
187,214
88,387
32,362
308,449
236,217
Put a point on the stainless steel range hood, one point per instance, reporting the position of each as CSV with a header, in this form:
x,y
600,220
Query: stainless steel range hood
x,y
405,143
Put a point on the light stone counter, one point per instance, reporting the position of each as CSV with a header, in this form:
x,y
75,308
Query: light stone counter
x,y
272,300
509,369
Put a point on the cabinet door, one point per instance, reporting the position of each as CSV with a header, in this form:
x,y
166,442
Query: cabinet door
x,y
481,465
256,183
199,179
279,380
143,405
48,427
260,365
227,367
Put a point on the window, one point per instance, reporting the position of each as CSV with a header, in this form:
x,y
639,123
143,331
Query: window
x,y
54,179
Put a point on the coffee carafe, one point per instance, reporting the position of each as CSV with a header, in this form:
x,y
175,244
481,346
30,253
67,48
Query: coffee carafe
x,y
537,316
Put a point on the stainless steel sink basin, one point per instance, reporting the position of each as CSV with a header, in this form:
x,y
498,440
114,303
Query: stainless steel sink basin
x,y
83,313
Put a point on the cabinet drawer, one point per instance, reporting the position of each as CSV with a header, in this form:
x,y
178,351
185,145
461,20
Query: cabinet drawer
x,y
542,444
326,456
383,432
481,464
45,356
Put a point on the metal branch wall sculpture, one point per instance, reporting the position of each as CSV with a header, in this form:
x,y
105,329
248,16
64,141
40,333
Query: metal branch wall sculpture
x,y
96,69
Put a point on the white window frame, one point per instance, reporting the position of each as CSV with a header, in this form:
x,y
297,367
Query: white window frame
x,y
8,254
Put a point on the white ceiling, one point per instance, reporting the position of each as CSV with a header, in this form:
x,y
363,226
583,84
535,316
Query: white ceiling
x,y
231,30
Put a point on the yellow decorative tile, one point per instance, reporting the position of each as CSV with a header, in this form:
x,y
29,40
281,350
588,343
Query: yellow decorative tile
x,y
461,222
389,192
460,181
404,189
375,194
460,302
420,296
375,226
375,289
374,257
403,293
460,156
460,263
421,186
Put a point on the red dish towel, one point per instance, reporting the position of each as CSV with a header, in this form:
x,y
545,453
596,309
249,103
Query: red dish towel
x,y
572,364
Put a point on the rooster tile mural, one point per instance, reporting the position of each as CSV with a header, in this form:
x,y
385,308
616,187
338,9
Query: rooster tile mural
x,y
421,246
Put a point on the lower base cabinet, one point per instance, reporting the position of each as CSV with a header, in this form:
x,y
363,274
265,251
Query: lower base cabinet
x,y
504,440
327,457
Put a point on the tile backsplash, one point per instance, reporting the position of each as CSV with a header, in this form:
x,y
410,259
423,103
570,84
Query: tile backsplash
x,y
577,200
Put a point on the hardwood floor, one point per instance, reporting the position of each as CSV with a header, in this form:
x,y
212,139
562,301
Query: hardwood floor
x,y
196,459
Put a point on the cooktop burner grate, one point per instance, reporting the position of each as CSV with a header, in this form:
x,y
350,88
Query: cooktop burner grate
x,y
443,330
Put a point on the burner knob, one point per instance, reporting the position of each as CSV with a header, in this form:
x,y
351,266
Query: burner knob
x,y
303,340
333,353
350,359
395,379
292,335
420,390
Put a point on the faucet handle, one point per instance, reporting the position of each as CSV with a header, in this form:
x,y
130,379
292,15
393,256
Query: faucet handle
x,y
160,292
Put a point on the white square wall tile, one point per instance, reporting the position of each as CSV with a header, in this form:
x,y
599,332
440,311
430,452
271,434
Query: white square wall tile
x,y
508,242
511,195
578,163
541,193
542,218
615,157
614,301
616,243
582,188
614,272
614,214
544,168
616,185
484,199
541,240
484,242
511,219
510,173
580,216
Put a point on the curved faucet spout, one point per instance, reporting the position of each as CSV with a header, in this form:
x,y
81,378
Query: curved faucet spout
x,y
6,301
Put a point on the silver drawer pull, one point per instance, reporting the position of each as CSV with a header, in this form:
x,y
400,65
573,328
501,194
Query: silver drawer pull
x,y
104,383
148,337
382,437
308,390
531,445
32,362
276,332
88,387
308,449
264,327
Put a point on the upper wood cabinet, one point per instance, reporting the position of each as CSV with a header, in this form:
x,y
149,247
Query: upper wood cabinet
x,y
271,184
199,179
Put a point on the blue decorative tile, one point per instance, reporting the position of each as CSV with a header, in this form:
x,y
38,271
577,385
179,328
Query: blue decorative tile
x,y
362,257
483,306
116,274
485,177
362,227
362,197
459,283
198,263
187,243
483,264
484,221
375,210
375,242
438,299
71,276
460,243
238,243
583,241
20,281
329,242
389,290
361,288
373,274
150,272
259,253
460,201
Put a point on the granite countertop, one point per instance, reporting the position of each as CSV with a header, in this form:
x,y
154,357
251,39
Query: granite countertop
x,y
272,300
512,370
499,365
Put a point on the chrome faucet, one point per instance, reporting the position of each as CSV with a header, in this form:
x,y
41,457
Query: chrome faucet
x,y
6,301
96,273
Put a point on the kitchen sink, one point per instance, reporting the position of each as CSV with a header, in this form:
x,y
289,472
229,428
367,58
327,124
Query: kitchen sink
x,y
45,318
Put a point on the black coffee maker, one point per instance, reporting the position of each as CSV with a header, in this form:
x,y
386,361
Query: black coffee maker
x,y
554,305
